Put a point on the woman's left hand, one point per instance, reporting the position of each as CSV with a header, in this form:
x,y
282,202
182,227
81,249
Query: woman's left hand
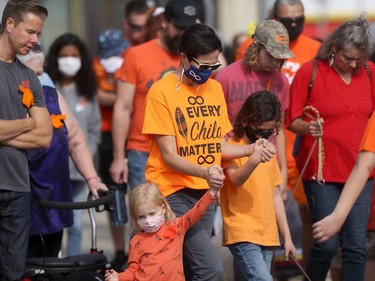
x,y
316,127
95,185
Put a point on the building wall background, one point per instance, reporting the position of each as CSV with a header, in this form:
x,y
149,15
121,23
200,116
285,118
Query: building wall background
x,y
88,18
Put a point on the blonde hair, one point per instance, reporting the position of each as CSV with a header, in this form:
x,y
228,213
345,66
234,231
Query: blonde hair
x,y
250,59
148,193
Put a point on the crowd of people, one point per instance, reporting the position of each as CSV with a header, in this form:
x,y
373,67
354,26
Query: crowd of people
x,y
281,139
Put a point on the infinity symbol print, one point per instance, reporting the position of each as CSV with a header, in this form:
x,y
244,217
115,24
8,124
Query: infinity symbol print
x,y
209,159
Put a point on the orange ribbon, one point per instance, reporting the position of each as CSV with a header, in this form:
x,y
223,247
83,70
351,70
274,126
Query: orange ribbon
x,y
28,97
57,120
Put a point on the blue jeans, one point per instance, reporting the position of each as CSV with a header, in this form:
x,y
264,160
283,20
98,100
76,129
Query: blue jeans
x,y
201,262
322,200
254,261
14,233
137,165
80,191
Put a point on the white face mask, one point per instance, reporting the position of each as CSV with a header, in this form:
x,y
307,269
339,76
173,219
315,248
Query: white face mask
x,y
69,66
112,64
152,224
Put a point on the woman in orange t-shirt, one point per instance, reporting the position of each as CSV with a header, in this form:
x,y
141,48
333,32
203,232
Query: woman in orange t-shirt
x,y
186,120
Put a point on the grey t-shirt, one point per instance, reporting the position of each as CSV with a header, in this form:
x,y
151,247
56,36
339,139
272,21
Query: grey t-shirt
x,y
14,170
87,113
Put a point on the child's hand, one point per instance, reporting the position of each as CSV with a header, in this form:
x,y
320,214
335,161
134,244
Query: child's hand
x,y
111,275
327,227
257,150
289,248
269,150
215,178
248,149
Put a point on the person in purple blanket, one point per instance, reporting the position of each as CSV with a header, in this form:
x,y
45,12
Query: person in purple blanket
x,y
49,169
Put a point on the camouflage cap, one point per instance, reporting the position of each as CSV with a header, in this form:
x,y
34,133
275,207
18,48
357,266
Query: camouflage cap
x,y
274,37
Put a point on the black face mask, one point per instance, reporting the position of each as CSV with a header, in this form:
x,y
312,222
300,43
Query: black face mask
x,y
250,134
294,31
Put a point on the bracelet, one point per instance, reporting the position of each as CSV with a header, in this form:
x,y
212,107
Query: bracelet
x,y
93,178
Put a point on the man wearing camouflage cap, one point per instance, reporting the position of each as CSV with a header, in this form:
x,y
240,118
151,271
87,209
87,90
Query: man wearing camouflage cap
x,y
274,37
260,70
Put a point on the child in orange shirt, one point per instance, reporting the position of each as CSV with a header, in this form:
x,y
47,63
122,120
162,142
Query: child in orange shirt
x,y
251,203
155,251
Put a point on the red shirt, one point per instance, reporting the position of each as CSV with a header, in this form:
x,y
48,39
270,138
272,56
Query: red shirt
x,y
345,109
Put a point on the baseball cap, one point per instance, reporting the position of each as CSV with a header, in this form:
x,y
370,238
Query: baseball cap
x,y
274,37
111,43
181,13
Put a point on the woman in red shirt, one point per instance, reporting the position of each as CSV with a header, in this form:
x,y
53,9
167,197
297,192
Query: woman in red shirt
x,y
343,96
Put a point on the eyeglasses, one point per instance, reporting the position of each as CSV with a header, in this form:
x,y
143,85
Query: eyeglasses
x,y
135,27
265,134
206,66
289,21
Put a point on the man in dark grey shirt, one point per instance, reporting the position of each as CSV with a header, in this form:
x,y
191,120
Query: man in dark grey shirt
x,y
24,124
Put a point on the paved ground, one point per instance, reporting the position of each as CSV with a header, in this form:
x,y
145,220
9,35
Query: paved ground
x,y
104,242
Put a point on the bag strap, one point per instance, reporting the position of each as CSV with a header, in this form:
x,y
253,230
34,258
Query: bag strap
x,y
368,71
312,77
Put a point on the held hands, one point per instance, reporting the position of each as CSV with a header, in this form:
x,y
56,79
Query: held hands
x,y
268,150
327,227
215,178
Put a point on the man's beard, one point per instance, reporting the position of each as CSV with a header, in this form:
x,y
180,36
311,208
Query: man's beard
x,y
172,43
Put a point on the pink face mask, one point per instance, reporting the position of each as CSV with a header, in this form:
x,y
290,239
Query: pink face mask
x,y
152,224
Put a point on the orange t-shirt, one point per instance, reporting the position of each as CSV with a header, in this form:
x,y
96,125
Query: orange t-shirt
x,y
196,117
158,256
106,82
249,211
143,66
368,144
304,49
368,140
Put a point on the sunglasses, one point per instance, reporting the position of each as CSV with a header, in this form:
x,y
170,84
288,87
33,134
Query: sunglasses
x,y
135,27
206,66
265,134
289,21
